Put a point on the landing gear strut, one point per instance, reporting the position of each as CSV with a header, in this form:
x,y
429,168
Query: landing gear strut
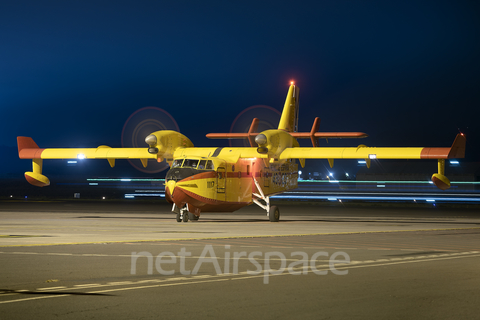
x,y
273,213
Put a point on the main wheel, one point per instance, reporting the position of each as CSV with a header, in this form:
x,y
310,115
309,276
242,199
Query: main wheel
x,y
185,216
274,214
179,219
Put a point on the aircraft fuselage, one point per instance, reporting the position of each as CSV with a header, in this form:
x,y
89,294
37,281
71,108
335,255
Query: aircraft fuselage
x,y
216,185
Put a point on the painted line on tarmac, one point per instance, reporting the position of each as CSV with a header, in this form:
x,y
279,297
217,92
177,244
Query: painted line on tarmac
x,y
234,237
239,276
129,256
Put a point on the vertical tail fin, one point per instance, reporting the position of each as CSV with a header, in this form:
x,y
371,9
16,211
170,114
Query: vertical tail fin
x,y
289,119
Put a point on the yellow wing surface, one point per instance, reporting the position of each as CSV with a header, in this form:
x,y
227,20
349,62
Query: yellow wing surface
x,y
363,152
28,149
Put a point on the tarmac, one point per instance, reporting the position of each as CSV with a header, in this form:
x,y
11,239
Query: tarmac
x,y
131,259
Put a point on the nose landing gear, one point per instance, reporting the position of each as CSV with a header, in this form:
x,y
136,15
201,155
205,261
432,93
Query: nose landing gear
x,y
183,214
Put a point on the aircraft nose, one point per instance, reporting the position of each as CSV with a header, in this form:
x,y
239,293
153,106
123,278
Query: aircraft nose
x,y
171,186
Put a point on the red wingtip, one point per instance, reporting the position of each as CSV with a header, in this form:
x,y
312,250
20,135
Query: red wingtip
x,y
458,147
26,143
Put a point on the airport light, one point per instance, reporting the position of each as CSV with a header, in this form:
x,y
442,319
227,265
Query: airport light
x,y
454,162
346,174
80,156
362,162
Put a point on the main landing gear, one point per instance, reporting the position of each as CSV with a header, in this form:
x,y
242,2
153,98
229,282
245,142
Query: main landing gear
x,y
273,213
183,214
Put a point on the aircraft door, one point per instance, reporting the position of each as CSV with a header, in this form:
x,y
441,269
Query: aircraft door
x,y
221,183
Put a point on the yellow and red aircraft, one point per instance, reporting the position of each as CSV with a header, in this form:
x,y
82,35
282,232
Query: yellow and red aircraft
x,y
225,179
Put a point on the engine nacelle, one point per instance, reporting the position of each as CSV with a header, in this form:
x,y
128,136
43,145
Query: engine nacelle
x,y
273,142
165,142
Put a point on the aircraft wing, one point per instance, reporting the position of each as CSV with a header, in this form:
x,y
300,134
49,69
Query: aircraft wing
x,y
457,150
229,154
87,153
28,149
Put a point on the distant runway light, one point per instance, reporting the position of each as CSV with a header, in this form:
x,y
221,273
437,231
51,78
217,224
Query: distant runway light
x,y
362,162
80,156
103,198
454,162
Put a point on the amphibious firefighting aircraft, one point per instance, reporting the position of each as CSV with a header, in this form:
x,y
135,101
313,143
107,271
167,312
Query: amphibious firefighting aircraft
x,y
225,179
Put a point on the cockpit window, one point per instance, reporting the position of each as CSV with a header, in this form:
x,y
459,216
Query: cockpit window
x,y
190,163
193,163
177,163
209,165
202,164
205,165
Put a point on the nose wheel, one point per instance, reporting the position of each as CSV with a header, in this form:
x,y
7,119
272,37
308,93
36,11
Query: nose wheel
x,y
183,214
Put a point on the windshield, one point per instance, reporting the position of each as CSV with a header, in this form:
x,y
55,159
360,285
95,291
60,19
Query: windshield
x,y
193,163
177,163
190,163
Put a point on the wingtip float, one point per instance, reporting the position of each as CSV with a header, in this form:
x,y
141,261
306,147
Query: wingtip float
x,y
225,179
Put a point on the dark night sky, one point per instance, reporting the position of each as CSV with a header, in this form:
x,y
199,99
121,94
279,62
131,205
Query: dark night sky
x,y
406,73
